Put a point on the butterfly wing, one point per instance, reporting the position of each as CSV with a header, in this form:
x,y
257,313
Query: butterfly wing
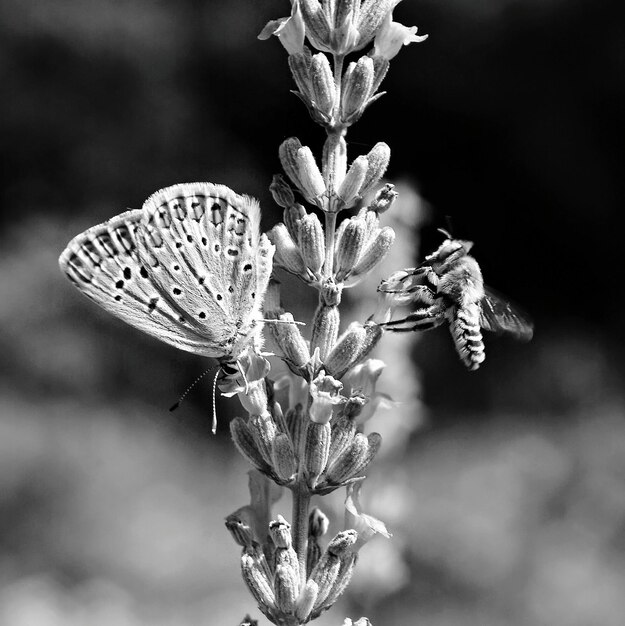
x,y
103,262
203,245
498,315
178,268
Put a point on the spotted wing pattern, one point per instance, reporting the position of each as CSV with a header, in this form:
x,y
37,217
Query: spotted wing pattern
x,y
189,268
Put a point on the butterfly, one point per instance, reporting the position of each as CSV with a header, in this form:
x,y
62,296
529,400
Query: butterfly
x,y
189,268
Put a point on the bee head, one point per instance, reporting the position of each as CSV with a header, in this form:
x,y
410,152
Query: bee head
x,y
449,247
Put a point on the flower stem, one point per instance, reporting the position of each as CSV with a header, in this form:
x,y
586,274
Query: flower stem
x,y
338,79
334,167
330,228
299,529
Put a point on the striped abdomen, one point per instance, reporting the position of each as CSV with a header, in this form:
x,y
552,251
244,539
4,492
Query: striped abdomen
x,y
465,330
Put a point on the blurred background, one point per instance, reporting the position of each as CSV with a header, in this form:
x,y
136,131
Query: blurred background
x,y
504,488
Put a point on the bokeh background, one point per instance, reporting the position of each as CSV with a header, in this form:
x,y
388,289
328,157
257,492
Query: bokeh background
x,y
504,488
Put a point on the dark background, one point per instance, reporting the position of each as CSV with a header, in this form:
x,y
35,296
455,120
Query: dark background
x,y
509,119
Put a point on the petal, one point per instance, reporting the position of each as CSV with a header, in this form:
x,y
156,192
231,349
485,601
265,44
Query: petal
x,y
290,30
392,36
367,526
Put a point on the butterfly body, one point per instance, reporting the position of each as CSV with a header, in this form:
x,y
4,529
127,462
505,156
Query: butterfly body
x,y
448,287
189,268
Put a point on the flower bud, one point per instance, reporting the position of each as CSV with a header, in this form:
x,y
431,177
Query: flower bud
x,y
300,70
324,575
378,159
380,69
287,253
323,88
292,217
325,329
300,165
346,349
316,451
318,523
248,621
355,459
357,89
306,600
281,192
285,555
264,432
317,527
290,340
288,158
296,421
348,562
240,528
283,457
246,444
342,542
254,575
373,334
316,24
284,333
280,531
349,191
343,432
327,569
349,247
344,36
285,588
312,180
374,252
312,243
313,554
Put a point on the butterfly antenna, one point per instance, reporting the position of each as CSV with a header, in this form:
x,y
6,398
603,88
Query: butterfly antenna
x,y
214,427
174,406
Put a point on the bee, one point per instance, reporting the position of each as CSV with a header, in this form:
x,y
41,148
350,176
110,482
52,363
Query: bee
x,y
448,287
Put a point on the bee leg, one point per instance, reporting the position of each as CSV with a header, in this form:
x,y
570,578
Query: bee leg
x,y
406,281
421,319
418,295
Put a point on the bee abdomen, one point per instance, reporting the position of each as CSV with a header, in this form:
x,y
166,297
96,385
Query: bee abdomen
x,y
465,330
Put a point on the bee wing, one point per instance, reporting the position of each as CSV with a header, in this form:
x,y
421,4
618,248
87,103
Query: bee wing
x,y
498,315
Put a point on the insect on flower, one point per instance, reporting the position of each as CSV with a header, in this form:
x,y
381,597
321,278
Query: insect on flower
x,y
189,268
448,286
